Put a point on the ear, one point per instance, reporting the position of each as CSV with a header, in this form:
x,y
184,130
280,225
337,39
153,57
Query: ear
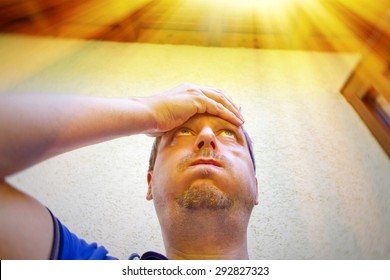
x,y
257,192
149,195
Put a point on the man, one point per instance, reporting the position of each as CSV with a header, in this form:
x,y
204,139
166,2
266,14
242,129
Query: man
x,y
201,177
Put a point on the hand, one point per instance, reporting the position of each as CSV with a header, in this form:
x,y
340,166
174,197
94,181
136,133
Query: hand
x,y
176,106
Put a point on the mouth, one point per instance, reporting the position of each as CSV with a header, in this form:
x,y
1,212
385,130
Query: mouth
x,y
206,161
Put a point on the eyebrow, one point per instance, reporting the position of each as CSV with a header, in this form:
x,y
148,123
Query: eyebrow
x,y
219,123
231,126
239,134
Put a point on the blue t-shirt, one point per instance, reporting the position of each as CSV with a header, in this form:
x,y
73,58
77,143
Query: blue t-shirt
x,y
67,246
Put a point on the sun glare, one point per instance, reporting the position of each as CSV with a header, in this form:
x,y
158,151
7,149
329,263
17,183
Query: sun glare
x,y
268,4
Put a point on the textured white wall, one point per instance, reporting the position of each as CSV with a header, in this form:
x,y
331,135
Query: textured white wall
x,y
324,180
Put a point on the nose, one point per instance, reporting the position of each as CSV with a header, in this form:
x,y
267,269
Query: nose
x,y
206,139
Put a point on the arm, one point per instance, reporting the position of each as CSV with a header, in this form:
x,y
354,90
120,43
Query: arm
x,y
26,227
36,127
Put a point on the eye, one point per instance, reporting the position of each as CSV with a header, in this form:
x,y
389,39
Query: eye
x,y
227,133
183,132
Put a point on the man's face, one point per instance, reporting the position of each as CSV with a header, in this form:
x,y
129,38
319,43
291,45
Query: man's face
x,y
203,164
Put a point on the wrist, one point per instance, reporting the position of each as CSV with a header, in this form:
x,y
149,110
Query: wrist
x,y
143,116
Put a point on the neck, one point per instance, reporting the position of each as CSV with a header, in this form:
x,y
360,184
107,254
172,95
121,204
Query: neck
x,y
206,234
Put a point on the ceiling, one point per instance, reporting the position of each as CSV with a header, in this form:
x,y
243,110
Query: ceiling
x,y
319,25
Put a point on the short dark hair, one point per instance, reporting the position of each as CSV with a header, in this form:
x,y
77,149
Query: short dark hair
x,y
156,143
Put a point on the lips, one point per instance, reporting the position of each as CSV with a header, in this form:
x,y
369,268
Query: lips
x,y
206,161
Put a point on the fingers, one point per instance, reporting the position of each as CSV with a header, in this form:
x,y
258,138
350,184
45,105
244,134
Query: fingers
x,y
174,107
220,92
214,108
222,105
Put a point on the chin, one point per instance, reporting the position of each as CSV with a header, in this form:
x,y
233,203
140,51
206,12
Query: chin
x,y
204,195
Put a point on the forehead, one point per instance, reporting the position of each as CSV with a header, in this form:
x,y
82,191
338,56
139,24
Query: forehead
x,y
202,120
208,119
